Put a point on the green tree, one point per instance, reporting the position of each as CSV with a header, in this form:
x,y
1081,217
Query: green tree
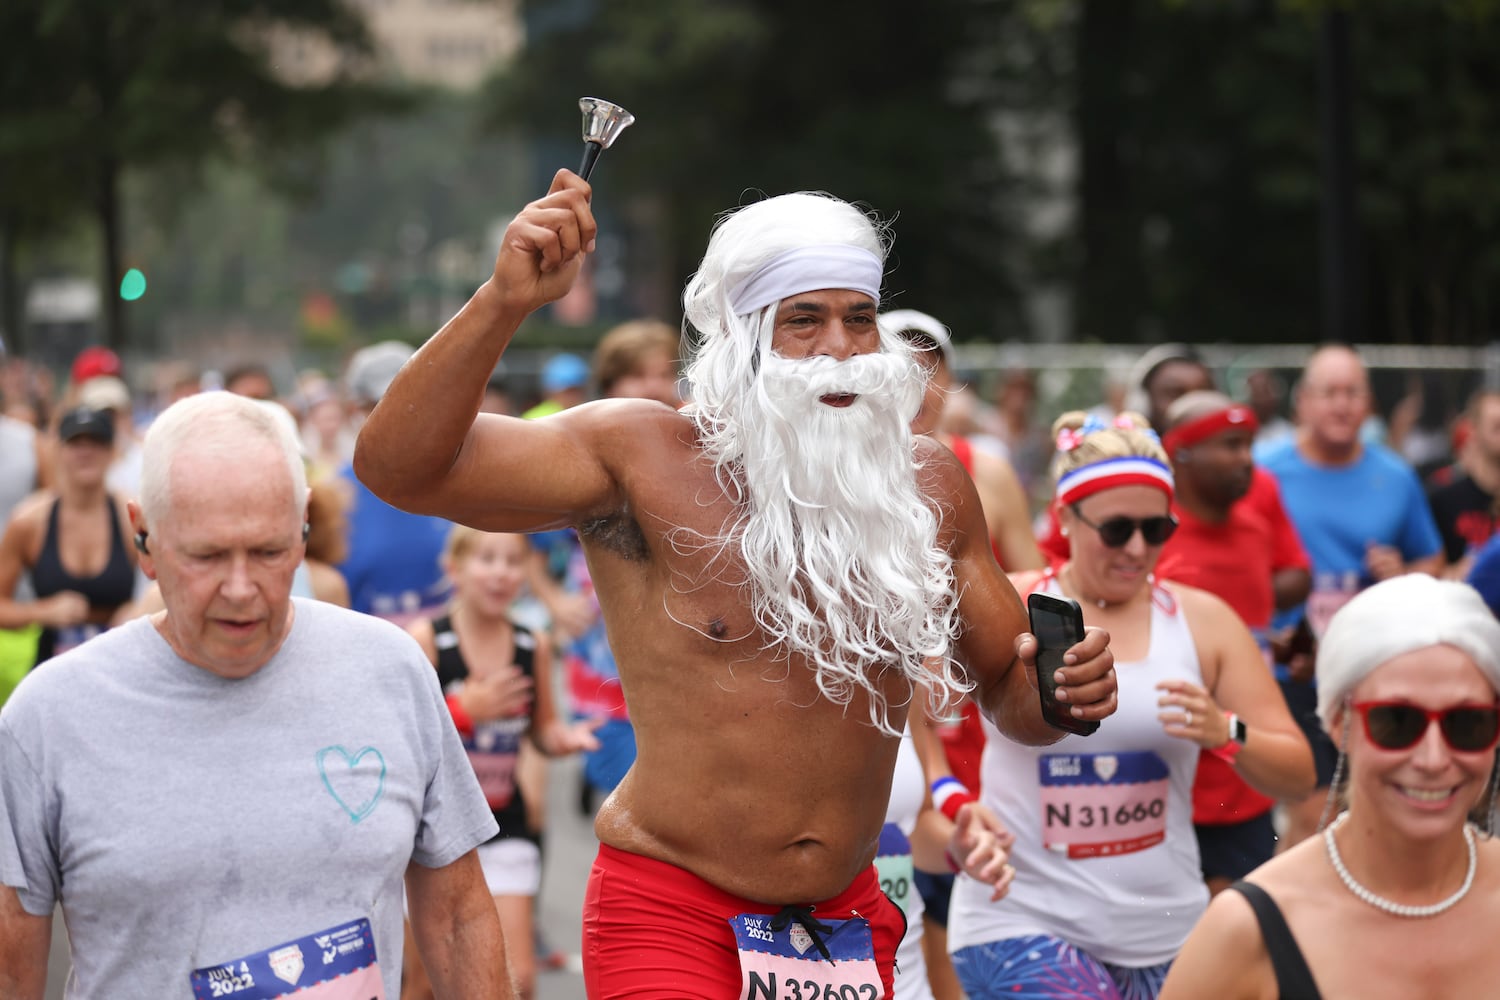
x,y
740,97
1200,189
95,89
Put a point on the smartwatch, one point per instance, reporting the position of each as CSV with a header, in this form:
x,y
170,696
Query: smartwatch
x,y
1236,742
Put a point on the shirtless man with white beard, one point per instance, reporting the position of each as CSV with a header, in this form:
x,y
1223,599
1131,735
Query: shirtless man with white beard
x,y
775,563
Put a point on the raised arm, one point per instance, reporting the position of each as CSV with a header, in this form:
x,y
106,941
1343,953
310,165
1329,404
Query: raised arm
x,y
423,450
996,646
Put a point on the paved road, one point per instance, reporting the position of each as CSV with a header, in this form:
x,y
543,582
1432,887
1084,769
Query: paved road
x,y
570,852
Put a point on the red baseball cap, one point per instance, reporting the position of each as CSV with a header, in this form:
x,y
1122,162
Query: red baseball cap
x,y
93,362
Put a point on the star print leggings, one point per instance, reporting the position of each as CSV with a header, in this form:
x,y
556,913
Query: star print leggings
x,y
653,931
1043,967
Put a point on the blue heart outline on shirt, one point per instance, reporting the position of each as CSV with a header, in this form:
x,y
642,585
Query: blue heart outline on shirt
x,y
363,809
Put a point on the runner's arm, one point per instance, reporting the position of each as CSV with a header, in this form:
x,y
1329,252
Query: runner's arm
x,y
24,944
426,449
457,930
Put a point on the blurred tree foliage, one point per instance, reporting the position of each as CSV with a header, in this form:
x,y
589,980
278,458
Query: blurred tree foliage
x,y
395,238
1152,163
1198,123
91,89
739,97
1197,132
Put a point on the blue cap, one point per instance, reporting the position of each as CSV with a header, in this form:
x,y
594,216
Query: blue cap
x,y
565,371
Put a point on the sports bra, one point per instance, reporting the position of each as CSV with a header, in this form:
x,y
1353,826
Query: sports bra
x,y
106,591
1294,980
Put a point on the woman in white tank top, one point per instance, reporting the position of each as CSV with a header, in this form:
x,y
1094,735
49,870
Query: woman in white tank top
x,y
1107,881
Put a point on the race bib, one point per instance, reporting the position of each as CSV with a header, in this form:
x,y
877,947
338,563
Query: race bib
x,y
787,965
1103,804
893,866
73,636
492,751
336,964
1328,595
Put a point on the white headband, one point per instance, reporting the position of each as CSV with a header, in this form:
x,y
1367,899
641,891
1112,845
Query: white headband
x,y
808,269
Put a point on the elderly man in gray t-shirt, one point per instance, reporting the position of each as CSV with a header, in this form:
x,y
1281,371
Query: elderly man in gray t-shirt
x,y
227,797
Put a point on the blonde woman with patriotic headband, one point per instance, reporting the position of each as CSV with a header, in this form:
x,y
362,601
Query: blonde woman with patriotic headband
x,y
1108,882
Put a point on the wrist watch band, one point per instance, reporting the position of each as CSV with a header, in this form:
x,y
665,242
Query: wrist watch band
x,y
1236,742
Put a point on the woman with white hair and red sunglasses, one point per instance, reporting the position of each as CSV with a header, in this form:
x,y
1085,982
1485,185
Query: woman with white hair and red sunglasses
x,y
1108,882
1408,682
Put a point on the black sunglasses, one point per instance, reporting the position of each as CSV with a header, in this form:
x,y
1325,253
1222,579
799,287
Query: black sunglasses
x,y
1118,531
1396,725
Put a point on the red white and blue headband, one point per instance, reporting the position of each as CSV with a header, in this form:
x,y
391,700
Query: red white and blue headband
x,y
1086,480
808,269
1200,429
1108,473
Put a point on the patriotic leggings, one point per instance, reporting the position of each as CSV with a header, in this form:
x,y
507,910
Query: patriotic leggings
x,y
1043,967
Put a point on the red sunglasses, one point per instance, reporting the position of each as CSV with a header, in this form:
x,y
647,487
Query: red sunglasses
x,y
1398,725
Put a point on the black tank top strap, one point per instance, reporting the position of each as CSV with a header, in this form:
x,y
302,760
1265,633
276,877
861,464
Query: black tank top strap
x,y
450,662
47,575
1294,980
525,650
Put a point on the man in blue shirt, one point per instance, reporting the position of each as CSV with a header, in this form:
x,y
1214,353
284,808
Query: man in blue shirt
x,y
1362,515
392,567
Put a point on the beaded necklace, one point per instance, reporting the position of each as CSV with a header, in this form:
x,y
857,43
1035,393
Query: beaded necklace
x,y
1380,902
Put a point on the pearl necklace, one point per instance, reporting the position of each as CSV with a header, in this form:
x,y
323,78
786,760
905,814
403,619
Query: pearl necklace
x,y
1380,902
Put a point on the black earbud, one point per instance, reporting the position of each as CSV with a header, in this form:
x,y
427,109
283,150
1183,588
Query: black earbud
x,y
140,542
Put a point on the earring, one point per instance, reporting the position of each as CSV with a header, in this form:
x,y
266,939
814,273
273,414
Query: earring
x,y
1490,818
1339,767
1065,532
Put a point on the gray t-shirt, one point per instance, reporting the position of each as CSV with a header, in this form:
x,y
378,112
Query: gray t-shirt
x,y
185,821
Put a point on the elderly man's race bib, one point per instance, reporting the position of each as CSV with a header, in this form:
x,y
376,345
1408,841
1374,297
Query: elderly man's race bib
x,y
336,964
1099,804
816,960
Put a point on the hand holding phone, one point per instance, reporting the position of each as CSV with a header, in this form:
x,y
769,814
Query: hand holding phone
x,y
1057,623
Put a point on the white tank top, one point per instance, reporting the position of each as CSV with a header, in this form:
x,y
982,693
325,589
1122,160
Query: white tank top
x,y
908,787
1105,854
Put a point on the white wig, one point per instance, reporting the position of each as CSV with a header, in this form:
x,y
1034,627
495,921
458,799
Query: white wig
x,y
1397,616
727,346
838,542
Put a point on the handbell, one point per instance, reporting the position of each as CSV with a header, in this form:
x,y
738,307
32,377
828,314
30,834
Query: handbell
x,y
602,123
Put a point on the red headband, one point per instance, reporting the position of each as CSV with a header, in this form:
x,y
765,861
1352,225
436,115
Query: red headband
x,y
1201,429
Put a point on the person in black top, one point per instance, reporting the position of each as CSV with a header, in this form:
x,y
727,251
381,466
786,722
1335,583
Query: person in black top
x,y
1464,508
71,540
1400,894
497,678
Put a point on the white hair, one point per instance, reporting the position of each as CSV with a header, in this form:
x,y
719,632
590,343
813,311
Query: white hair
x,y
212,423
838,542
1401,615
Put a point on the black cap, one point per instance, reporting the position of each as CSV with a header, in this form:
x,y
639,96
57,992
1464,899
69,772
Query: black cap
x,y
81,421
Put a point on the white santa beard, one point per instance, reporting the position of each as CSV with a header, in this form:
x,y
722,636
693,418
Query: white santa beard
x,y
838,543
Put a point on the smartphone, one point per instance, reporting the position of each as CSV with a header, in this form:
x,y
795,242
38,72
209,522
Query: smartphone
x,y
1057,623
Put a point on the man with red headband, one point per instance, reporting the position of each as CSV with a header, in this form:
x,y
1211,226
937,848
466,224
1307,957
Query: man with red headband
x,y
1225,545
